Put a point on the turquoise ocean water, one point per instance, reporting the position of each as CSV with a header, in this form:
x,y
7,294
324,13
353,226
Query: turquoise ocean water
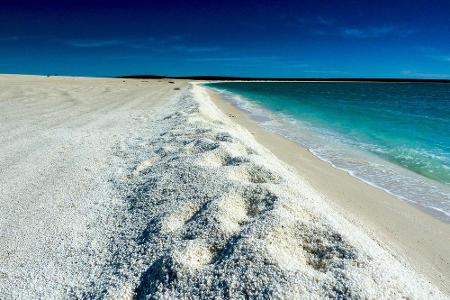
x,y
395,136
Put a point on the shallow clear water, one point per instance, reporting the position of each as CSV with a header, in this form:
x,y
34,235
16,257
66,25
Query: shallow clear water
x,y
393,135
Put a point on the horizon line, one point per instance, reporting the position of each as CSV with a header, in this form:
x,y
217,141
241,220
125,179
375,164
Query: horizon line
x,y
250,78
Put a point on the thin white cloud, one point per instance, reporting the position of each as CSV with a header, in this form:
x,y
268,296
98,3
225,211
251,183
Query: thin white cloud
x,y
434,53
319,20
324,26
445,58
424,75
10,38
253,61
170,43
425,49
334,72
325,21
98,43
301,65
373,32
16,38
352,32
94,43
236,59
193,49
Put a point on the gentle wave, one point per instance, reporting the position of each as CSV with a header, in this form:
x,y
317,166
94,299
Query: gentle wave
x,y
432,196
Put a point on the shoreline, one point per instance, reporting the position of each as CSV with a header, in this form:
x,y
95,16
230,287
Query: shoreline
x,y
403,184
418,237
173,199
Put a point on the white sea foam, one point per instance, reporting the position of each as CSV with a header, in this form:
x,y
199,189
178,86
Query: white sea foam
x,y
355,159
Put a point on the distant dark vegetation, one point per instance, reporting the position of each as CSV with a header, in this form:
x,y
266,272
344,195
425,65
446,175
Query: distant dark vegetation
x,y
286,79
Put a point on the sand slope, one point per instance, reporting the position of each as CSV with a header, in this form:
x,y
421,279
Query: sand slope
x,y
180,202
58,139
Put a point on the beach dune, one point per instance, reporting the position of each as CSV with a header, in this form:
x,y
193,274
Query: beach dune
x,y
131,189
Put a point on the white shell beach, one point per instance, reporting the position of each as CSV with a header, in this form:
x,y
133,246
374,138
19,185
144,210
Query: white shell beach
x,y
135,189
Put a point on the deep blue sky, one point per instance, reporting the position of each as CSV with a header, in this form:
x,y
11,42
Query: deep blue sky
x,y
243,38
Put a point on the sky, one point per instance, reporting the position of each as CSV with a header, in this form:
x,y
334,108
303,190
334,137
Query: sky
x,y
408,39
